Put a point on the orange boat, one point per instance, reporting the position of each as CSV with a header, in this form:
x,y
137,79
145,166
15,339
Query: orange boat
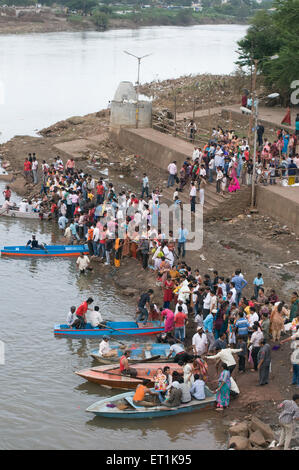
x,y
111,376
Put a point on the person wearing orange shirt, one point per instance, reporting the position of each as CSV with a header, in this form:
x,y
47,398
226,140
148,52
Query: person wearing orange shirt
x,y
141,391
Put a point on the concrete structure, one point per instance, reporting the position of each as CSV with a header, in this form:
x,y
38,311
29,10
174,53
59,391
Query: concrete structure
x,y
281,202
158,148
125,110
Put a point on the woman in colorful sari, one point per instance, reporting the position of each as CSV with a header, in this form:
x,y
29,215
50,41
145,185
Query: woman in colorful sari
x,y
118,250
234,183
200,367
223,390
167,291
164,269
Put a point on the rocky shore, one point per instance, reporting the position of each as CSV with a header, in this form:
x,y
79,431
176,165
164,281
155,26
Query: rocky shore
x,y
49,22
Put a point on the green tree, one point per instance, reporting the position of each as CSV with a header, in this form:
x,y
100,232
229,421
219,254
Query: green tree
x,y
270,34
100,19
83,5
261,40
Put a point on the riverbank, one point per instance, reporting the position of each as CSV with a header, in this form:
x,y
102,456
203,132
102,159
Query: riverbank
x,y
52,23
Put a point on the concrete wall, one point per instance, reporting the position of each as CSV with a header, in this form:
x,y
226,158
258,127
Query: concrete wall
x,y
280,204
124,114
160,149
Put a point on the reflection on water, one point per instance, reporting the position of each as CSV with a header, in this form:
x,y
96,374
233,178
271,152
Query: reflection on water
x,y
43,401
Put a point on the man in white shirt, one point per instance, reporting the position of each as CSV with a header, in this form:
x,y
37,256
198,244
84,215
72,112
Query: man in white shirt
x,y
226,356
200,342
95,317
71,316
104,348
207,302
82,263
195,154
252,317
23,206
180,303
172,170
233,292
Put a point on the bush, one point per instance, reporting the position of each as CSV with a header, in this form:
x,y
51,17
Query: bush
x,y
100,19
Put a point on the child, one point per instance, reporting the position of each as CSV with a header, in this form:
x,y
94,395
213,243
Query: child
x,y
231,332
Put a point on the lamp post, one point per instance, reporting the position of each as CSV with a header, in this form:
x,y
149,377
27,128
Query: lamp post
x,y
255,108
138,81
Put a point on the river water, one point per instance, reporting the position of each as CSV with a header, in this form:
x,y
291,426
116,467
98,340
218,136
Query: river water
x,y
45,78
42,402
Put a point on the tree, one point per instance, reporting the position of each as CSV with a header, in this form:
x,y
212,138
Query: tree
x,y
84,5
100,19
270,34
261,40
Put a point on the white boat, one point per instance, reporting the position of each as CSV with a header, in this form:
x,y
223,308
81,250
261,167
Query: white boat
x,y
15,212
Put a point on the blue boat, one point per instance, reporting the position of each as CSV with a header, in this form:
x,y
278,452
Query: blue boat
x,y
138,352
49,250
119,328
121,406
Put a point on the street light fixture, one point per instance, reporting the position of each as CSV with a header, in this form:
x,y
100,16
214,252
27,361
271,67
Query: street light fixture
x,y
255,107
139,58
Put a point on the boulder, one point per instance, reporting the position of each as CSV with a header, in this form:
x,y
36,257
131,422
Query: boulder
x,y
240,442
75,120
257,439
240,429
130,291
257,425
19,186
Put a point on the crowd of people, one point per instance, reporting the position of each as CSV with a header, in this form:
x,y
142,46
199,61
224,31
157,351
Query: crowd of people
x,y
227,160
231,329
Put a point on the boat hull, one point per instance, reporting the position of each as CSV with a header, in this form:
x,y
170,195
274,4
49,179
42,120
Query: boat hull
x,y
49,251
111,376
139,352
124,329
22,215
101,409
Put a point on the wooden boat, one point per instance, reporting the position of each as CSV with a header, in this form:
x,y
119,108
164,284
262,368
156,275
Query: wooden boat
x,y
49,250
122,406
139,352
15,212
111,376
122,327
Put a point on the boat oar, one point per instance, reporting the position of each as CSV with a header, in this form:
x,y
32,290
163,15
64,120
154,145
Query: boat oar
x,y
137,361
114,329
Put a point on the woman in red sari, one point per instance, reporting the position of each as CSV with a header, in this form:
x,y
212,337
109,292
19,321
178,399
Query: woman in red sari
x,y
167,291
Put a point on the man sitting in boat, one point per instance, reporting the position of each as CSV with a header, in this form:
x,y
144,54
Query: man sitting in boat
x,y
23,206
141,391
81,313
174,396
6,206
95,318
198,388
124,365
71,316
104,348
34,245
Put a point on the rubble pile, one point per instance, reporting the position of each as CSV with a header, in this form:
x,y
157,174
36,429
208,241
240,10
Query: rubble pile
x,y
206,89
